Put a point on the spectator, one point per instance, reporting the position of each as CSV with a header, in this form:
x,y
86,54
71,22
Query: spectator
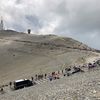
x,y
32,78
10,83
45,76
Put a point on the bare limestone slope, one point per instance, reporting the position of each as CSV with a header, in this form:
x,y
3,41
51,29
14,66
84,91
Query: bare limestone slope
x,y
23,55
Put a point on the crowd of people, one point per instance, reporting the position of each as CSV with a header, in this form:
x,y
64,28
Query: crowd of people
x,y
57,74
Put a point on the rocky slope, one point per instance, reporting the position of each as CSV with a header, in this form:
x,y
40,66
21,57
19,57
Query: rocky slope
x,y
80,86
23,55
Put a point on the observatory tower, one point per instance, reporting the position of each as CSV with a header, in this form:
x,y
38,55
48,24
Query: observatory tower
x,y
1,24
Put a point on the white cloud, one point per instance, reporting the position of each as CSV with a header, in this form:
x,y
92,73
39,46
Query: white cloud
x,y
76,18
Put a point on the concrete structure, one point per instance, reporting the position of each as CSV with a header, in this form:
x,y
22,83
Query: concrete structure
x,y
1,24
29,31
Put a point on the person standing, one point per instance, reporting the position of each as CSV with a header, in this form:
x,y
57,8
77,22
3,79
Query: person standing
x,y
10,83
45,76
32,78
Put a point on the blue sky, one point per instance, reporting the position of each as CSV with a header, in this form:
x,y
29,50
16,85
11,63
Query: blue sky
x,y
79,19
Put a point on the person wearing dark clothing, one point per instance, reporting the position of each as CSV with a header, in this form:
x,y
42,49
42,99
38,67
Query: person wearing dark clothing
x,y
36,77
10,83
45,76
1,90
50,77
32,78
62,71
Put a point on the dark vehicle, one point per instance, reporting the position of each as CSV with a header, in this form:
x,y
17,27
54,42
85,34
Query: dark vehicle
x,y
98,62
90,65
18,84
76,69
67,69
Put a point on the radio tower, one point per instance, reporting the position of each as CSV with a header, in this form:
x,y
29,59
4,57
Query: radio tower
x,y
1,24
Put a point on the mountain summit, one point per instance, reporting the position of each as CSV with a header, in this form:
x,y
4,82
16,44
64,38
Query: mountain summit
x,y
22,55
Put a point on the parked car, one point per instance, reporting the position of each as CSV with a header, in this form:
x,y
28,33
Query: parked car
x,y
18,84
